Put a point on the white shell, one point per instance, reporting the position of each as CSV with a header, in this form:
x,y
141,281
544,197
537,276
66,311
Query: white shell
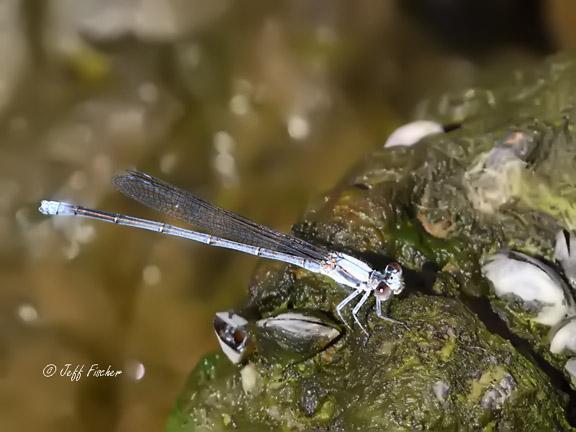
x,y
565,254
251,380
294,336
411,133
564,339
520,275
225,325
299,326
570,367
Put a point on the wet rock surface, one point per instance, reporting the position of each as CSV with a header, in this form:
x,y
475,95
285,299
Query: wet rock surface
x,y
467,360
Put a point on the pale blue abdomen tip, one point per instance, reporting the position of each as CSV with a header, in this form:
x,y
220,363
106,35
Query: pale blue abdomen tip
x,y
49,207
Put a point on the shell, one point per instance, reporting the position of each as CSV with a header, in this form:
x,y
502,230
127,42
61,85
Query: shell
x,y
540,289
294,335
233,335
563,338
496,176
410,133
287,336
570,368
565,254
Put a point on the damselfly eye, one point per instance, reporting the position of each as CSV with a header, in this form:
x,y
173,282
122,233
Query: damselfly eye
x,y
383,291
393,267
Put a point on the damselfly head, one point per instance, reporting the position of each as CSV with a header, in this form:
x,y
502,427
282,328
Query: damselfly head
x,y
394,278
387,283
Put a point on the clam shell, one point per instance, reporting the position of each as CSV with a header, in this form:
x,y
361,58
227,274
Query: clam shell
x,y
232,334
563,338
570,368
565,254
294,335
538,286
410,133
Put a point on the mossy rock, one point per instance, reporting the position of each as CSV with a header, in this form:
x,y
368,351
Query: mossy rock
x,y
454,367
446,372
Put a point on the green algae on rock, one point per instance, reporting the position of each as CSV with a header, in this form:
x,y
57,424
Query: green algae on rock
x,y
504,180
447,372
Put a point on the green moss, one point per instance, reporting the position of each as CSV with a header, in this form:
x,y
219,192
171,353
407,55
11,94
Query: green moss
x,y
487,379
557,202
326,411
448,349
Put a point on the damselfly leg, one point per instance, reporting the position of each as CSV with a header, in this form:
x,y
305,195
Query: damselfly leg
x,y
343,304
382,316
357,309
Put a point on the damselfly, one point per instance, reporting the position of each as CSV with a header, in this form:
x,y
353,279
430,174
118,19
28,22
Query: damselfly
x,y
229,230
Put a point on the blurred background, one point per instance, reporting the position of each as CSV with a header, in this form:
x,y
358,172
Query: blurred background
x,y
260,107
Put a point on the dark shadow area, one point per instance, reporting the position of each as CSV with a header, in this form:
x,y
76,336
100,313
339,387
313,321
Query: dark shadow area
x,y
479,27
